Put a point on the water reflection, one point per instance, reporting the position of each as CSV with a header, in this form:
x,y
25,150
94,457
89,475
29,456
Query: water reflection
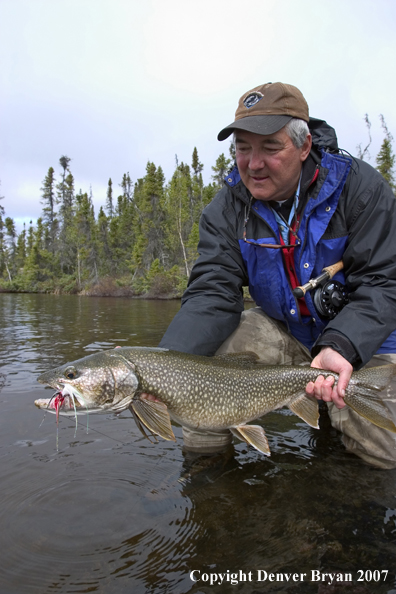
x,y
107,512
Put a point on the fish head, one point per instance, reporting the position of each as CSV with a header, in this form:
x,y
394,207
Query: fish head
x,y
101,382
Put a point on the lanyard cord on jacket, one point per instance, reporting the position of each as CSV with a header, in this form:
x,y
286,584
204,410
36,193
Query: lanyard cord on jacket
x,y
293,232
285,229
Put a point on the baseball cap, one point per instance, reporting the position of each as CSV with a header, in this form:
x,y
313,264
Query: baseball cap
x,y
267,108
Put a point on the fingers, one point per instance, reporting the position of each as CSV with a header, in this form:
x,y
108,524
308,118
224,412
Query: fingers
x,y
342,384
324,388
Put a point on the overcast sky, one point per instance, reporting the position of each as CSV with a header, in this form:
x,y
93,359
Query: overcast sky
x,y
115,83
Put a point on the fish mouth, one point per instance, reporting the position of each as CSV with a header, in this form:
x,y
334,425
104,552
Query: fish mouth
x,y
66,400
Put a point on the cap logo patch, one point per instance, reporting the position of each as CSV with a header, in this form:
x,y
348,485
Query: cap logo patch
x,y
252,99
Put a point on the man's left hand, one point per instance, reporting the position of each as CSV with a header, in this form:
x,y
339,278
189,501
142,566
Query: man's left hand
x,y
323,388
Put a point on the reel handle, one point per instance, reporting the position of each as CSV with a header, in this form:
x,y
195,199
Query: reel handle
x,y
327,274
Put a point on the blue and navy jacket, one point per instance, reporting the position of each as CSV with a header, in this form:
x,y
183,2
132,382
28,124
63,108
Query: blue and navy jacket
x,y
349,213
269,282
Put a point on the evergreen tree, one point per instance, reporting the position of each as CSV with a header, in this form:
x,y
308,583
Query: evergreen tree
x,y
20,254
197,186
29,241
49,201
83,235
64,163
148,228
104,252
126,185
10,240
2,244
386,157
179,220
120,236
220,170
109,199
197,167
2,212
37,264
67,248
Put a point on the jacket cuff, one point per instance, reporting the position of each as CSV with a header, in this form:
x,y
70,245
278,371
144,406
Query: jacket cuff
x,y
338,342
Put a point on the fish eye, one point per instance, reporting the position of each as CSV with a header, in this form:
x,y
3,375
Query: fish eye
x,y
70,372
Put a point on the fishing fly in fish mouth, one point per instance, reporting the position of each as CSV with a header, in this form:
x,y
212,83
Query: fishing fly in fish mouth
x,y
203,393
64,399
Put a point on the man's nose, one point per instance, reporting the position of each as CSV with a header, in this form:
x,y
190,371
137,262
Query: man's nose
x,y
256,161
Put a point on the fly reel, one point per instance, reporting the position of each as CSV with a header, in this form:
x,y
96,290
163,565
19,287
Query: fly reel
x,y
330,298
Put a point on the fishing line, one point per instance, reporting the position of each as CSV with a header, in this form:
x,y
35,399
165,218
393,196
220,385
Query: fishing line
x,y
108,436
75,433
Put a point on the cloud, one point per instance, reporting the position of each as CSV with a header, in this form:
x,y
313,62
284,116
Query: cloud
x,y
114,84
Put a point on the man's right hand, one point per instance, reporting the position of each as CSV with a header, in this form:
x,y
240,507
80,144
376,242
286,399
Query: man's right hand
x,y
323,388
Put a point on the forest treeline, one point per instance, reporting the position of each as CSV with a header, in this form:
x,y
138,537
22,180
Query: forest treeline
x,y
144,242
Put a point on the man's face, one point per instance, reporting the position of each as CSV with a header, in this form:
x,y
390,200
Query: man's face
x,y
270,165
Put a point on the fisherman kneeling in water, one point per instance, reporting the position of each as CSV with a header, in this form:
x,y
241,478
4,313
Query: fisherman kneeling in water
x,y
293,205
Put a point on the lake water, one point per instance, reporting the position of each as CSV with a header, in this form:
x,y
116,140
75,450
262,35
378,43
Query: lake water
x,y
100,509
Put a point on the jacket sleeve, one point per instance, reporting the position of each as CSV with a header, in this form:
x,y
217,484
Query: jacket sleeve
x,y
213,301
370,268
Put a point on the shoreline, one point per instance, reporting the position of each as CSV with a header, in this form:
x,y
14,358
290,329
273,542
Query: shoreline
x,y
117,294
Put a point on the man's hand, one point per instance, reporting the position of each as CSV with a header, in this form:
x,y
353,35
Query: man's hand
x,y
323,388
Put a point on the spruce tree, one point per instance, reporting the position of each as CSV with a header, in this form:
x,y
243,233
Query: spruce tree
x,y
20,255
49,201
2,212
149,231
220,170
83,235
126,185
10,251
109,199
386,157
179,219
104,252
38,261
197,167
67,249
196,187
2,244
64,163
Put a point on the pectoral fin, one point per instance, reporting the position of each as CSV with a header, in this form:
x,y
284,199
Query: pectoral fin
x,y
306,408
154,415
141,427
254,435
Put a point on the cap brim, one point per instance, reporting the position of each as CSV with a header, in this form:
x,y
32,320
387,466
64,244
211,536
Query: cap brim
x,y
260,124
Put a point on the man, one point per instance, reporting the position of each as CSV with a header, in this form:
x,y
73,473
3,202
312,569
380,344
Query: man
x,y
292,205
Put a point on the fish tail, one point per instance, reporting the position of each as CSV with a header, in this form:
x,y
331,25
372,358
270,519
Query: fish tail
x,y
365,395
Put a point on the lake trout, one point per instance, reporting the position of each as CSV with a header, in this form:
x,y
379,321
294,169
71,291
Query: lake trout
x,y
204,393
